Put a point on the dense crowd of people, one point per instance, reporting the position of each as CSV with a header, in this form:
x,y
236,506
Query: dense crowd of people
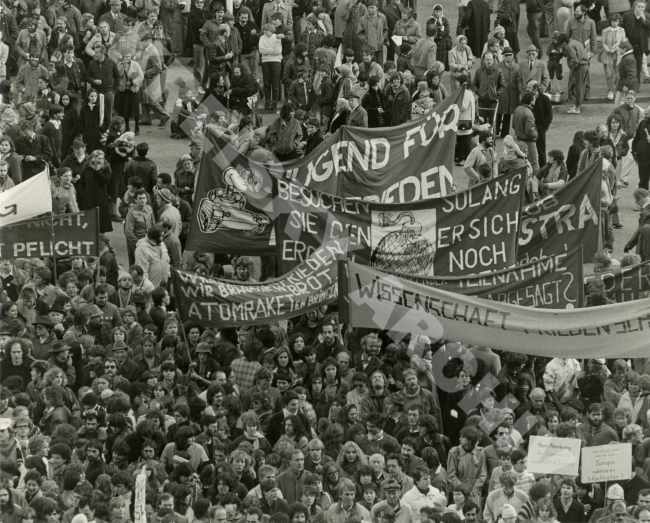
x,y
300,420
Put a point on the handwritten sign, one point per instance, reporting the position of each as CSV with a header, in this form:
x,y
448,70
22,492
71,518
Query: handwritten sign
x,y
554,455
607,463
139,508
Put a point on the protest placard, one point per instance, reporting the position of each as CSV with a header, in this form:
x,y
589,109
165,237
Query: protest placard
x,y
548,455
74,234
611,462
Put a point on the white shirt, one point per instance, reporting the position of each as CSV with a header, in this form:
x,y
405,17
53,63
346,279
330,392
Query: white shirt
x,y
415,500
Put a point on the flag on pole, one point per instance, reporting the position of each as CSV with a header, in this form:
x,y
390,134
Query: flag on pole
x,y
26,200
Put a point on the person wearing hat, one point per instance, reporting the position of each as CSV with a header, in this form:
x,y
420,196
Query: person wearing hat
x,y
60,357
615,495
205,367
126,366
532,68
358,116
392,492
509,98
168,212
44,338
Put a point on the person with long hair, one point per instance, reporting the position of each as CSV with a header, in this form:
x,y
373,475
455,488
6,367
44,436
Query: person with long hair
x,y
350,459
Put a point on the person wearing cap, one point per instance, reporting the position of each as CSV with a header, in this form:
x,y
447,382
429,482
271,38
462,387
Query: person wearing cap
x,y
615,495
392,491
511,92
358,116
167,211
532,68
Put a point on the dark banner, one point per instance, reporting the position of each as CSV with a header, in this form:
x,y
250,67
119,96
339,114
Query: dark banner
x,y
409,162
631,283
554,282
75,234
234,209
471,231
565,219
222,303
233,201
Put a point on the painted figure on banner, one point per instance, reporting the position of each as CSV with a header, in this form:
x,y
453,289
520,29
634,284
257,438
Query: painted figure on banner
x,y
404,242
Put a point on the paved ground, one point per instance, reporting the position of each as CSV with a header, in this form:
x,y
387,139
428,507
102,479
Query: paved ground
x,y
166,151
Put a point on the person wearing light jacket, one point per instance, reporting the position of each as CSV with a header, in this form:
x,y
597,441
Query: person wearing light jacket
x,y
151,254
270,46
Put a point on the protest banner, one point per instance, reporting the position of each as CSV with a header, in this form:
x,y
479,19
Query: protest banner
x,y
553,282
404,163
611,462
467,232
233,201
630,283
562,220
75,234
234,206
381,301
224,303
18,203
548,455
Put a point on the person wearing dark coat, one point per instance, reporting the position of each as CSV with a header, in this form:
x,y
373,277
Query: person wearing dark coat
x,y
34,148
641,151
397,101
52,129
628,77
509,98
543,113
508,17
637,30
70,122
373,103
76,160
93,189
477,22
312,135
91,122
242,86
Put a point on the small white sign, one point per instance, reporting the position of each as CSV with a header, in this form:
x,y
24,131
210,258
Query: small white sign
x,y
547,455
611,462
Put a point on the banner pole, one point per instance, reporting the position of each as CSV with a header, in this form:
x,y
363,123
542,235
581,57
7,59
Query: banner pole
x,y
343,297
52,233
